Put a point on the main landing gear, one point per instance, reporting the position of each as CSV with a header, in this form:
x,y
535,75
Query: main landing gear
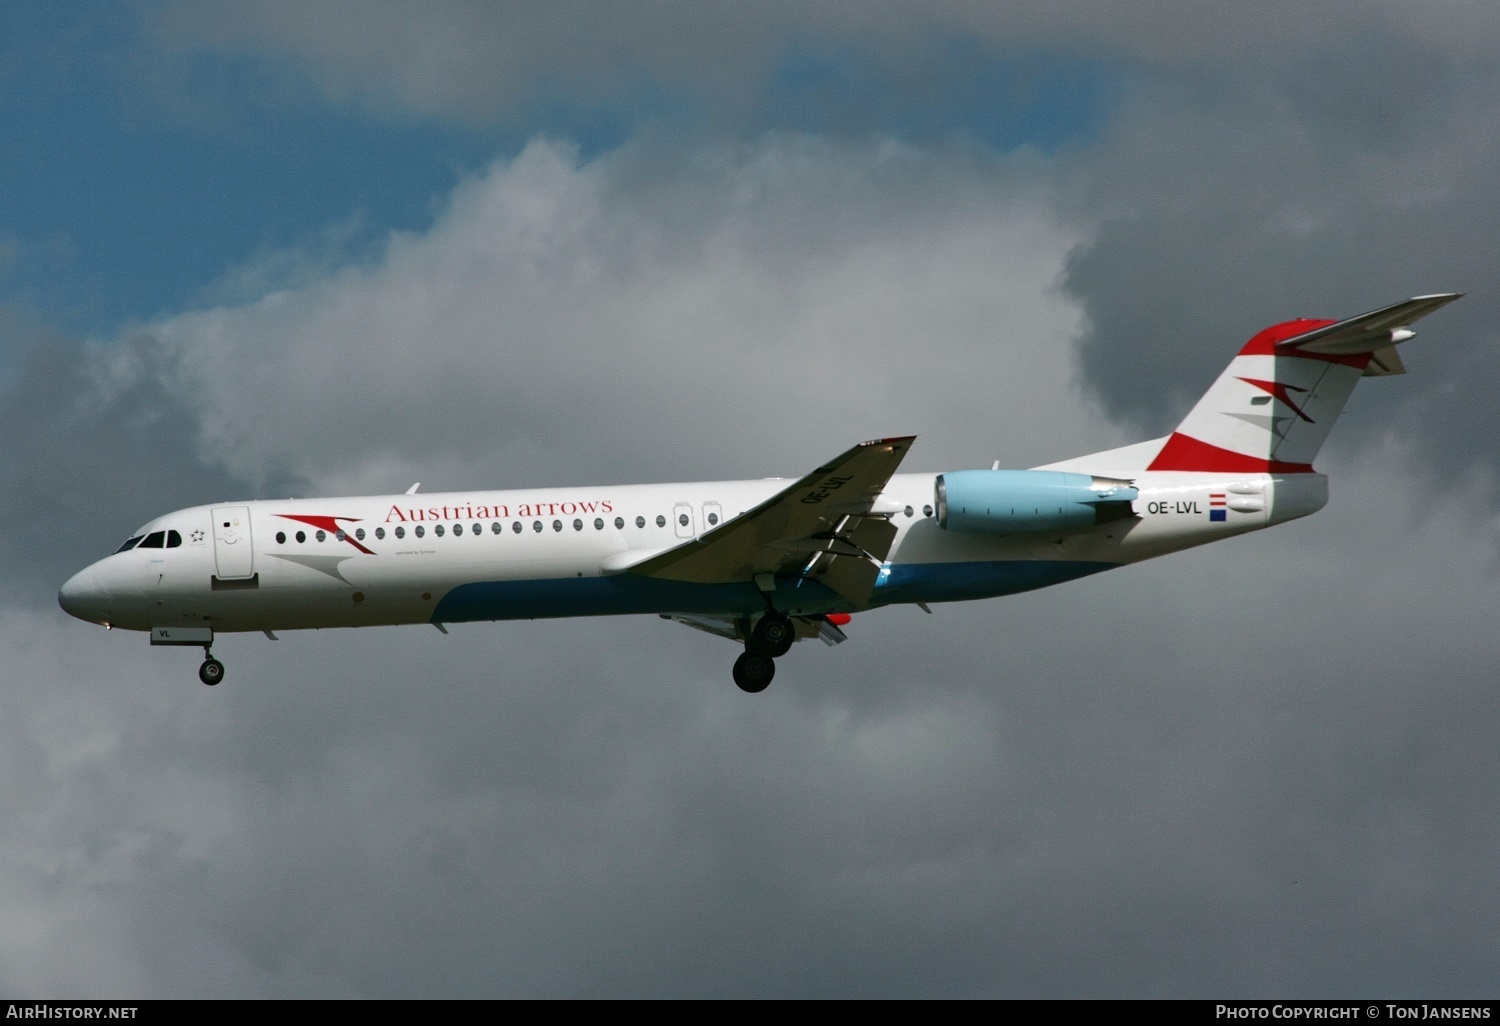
x,y
772,637
753,671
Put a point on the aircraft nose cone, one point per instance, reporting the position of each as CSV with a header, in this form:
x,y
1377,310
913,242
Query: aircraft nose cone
x,y
82,596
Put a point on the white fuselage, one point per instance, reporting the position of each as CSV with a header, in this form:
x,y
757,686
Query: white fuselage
x,y
457,556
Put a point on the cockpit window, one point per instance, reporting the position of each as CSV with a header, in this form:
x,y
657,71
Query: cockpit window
x,y
154,540
173,539
130,543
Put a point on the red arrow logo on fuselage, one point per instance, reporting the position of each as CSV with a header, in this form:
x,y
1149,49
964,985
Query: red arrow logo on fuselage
x,y
329,524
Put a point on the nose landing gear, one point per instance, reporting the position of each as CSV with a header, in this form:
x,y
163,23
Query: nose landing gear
x,y
212,671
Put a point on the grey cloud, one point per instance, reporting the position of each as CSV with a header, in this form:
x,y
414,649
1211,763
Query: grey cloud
x,y
1261,767
487,62
87,457
1220,210
1259,164
707,304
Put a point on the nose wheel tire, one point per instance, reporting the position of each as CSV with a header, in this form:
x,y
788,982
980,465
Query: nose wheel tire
x,y
211,672
774,635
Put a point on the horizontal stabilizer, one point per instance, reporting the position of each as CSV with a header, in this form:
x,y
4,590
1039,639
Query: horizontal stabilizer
x,y
1369,332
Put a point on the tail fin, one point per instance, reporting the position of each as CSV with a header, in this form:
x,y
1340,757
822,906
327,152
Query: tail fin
x,y
1273,406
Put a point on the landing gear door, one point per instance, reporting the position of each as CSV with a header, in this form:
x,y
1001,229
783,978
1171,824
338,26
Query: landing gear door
x,y
234,556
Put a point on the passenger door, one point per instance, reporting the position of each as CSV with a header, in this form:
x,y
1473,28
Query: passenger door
x,y
234,554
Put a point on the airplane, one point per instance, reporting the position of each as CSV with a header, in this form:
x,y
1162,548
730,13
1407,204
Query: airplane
x,y
764,563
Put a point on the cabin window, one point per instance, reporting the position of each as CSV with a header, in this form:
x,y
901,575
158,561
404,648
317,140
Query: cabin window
x,y
154,540
478,529
619,523
578,525
516,527
713,518
438,530
280,537
536,525
495,527
683,519
340,535
598,525
909,511
321,535
380,534
557,525
301,537
640,521
400,532
419,530
130,543
359,534
661,521
927,511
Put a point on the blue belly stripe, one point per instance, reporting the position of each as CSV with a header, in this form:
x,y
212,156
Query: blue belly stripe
x,y
960,582
628,593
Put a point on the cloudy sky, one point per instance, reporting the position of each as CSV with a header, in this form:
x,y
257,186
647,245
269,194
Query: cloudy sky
x,y
257,249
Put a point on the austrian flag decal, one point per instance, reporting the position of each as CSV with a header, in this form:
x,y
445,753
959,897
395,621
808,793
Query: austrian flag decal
x,y
1218,503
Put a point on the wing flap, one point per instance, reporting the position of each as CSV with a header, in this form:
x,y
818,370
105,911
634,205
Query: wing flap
x,y
719,626
853,577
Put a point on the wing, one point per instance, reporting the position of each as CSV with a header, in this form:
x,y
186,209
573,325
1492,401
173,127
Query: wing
x,y
825,526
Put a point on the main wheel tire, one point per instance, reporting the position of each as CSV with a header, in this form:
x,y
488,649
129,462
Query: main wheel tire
x,y
753,672
211,672
774,635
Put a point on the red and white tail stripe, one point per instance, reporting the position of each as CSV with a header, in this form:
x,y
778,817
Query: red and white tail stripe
x,y
1271,409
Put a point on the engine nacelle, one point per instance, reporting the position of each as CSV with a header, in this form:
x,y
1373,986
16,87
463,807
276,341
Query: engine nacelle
x,y
1029,501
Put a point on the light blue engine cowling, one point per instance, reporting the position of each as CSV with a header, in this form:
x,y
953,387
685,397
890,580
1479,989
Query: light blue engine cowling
x,y
1029,501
